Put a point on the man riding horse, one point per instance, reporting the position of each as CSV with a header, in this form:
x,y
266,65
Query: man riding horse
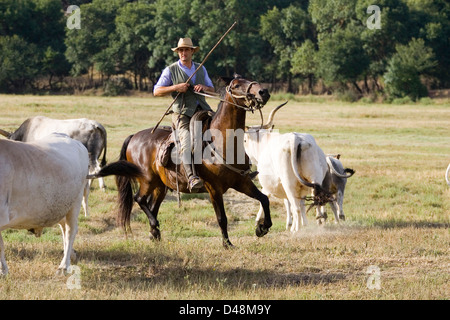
x,y
141,151
173,81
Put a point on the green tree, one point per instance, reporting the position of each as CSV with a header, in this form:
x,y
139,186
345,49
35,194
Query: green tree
x,y
405,68
342,58
430,20
134,31
304,62
329,16
379,44
170,22
39,23
89,46
242,50
19,63
285,30
51,40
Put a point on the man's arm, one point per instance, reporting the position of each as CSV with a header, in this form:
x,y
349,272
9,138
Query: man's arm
x,y
208,84
164,86
165,90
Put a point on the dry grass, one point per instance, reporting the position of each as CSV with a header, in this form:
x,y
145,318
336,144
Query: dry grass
x,y
397,207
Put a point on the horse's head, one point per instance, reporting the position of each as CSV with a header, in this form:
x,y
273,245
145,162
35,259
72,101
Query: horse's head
x,y
247,93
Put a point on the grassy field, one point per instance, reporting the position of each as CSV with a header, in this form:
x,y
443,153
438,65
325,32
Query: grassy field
x,y
397,207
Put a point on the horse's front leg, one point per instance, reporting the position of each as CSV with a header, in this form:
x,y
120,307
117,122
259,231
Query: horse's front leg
x,y
252,191
219,208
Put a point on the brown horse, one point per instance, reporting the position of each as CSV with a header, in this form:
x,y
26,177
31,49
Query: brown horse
x,y
141,149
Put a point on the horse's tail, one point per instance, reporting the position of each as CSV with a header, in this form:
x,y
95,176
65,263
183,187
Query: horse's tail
x,y
126,174
123,151
125,189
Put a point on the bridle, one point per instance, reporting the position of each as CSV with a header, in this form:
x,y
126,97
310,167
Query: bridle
x,y
251,103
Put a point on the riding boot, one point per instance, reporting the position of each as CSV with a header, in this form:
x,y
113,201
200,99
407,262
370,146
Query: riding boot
x,y
194,181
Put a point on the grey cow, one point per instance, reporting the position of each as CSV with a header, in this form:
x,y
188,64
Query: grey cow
x,y
337,179
89,132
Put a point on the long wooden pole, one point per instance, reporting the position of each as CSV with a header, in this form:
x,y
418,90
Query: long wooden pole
x,y
201,65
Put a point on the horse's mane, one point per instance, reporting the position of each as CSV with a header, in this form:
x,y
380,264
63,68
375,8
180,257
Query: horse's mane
x,y
222,93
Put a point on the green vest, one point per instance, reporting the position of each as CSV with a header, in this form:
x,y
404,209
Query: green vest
x,y
187,103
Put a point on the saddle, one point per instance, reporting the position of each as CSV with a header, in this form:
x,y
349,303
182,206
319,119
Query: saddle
x,y
165,148
163,157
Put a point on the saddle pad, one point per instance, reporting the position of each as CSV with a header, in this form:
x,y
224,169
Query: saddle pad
x,y
164,150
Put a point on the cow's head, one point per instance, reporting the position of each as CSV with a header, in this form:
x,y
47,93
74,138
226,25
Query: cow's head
x,y
255,137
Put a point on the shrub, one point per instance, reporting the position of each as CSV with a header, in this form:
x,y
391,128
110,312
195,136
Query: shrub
x,y
347,95
426,101
404,100
116,86
405,68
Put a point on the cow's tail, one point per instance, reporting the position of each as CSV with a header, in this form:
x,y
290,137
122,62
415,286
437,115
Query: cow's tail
x,y
104,137
321,196
347,171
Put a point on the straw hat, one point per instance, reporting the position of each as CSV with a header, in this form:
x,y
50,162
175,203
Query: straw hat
x,y
185,43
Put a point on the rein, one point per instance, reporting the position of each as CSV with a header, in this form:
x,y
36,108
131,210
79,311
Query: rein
x,y
250,103
222,161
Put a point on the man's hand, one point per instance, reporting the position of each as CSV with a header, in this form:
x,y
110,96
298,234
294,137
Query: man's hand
x,y
182,87
201,87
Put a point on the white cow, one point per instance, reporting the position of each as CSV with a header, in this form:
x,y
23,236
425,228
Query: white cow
x,y
337,176
447,174
42,184
291,167
89,132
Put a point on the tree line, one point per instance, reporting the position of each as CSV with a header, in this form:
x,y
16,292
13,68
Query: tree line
x,y
124,44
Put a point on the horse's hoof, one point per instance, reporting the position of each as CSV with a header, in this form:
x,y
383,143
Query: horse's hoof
x,y
227,244
155,234
342,217
261,231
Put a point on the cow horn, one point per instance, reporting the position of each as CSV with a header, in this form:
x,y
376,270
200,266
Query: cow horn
x,y
269,123
340,175
5,133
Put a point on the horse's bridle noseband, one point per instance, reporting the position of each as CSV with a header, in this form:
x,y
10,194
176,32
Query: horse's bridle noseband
x,y
251,103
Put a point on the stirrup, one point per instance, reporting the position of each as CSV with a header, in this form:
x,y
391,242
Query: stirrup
x,y
195,183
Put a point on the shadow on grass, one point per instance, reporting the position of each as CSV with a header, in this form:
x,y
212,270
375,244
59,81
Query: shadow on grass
x,y
172,271
392,224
